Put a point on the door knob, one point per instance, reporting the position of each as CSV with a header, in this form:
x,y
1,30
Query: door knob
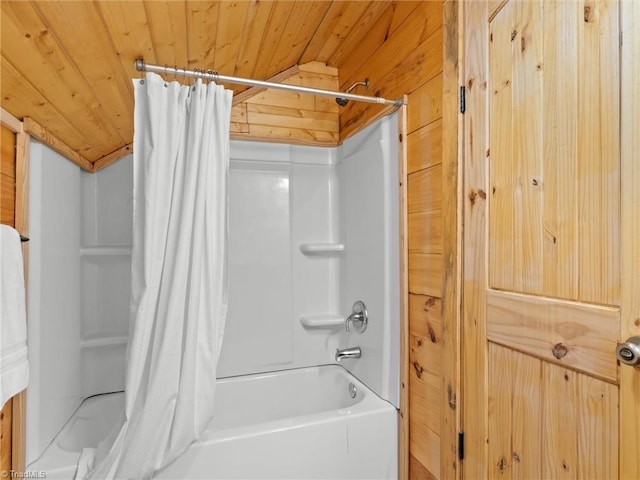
x,y
629,352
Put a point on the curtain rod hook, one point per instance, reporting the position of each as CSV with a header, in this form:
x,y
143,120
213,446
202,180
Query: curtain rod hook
x,y
166,74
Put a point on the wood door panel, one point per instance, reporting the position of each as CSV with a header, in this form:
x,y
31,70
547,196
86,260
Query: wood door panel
x,y
585,335
560,154
597,428
526,112
502,174
580,427
554,152
514,414
598,173
494,6
527,436
546,421
559,424
501,376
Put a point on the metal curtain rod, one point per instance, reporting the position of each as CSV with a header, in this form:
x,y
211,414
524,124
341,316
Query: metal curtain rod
x,y
141,66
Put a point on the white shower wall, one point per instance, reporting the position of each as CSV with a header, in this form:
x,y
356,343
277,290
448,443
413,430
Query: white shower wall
x,y
54,296
79,286
311,230
280,196
107,201
369,224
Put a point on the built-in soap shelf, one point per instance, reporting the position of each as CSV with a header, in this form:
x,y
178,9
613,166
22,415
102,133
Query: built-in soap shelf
x,y
325,322
318,249
105,251
104,341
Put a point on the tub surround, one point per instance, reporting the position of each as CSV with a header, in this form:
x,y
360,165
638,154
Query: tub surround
x,y
312,230
307,415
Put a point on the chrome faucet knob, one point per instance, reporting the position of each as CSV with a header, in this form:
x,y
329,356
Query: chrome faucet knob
x,y
358,317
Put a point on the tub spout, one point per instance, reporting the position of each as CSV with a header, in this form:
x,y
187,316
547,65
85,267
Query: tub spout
x,y
353,352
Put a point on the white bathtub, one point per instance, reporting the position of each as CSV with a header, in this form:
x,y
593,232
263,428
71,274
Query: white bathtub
x,y
295,424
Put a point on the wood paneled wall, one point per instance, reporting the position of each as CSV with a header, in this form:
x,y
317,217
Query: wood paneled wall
x,y
8,177
276,115
403,54
14,208
7,217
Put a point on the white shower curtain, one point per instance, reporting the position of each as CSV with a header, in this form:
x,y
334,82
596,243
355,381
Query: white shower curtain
x,y
179,277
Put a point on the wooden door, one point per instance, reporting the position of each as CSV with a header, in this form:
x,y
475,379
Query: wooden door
x,y
551,233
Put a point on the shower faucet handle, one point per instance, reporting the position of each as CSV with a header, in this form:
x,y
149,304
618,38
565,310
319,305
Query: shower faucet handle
x,y
358,318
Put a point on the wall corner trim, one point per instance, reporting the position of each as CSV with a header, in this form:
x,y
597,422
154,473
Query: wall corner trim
x,y
37,131
112,157
9,121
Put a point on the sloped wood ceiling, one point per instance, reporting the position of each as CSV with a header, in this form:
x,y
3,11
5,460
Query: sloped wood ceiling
x,y
68,65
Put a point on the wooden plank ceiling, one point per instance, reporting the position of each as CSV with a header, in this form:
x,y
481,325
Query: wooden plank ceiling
x,y
68,65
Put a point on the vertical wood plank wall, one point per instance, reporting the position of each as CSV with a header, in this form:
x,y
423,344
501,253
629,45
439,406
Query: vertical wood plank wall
x,y
8,177
7,217
403,54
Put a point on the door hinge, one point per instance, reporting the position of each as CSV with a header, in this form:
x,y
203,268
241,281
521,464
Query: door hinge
x,y
461,445
463,99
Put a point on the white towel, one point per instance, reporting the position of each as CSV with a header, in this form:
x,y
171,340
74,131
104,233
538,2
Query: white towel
x,y
14,363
